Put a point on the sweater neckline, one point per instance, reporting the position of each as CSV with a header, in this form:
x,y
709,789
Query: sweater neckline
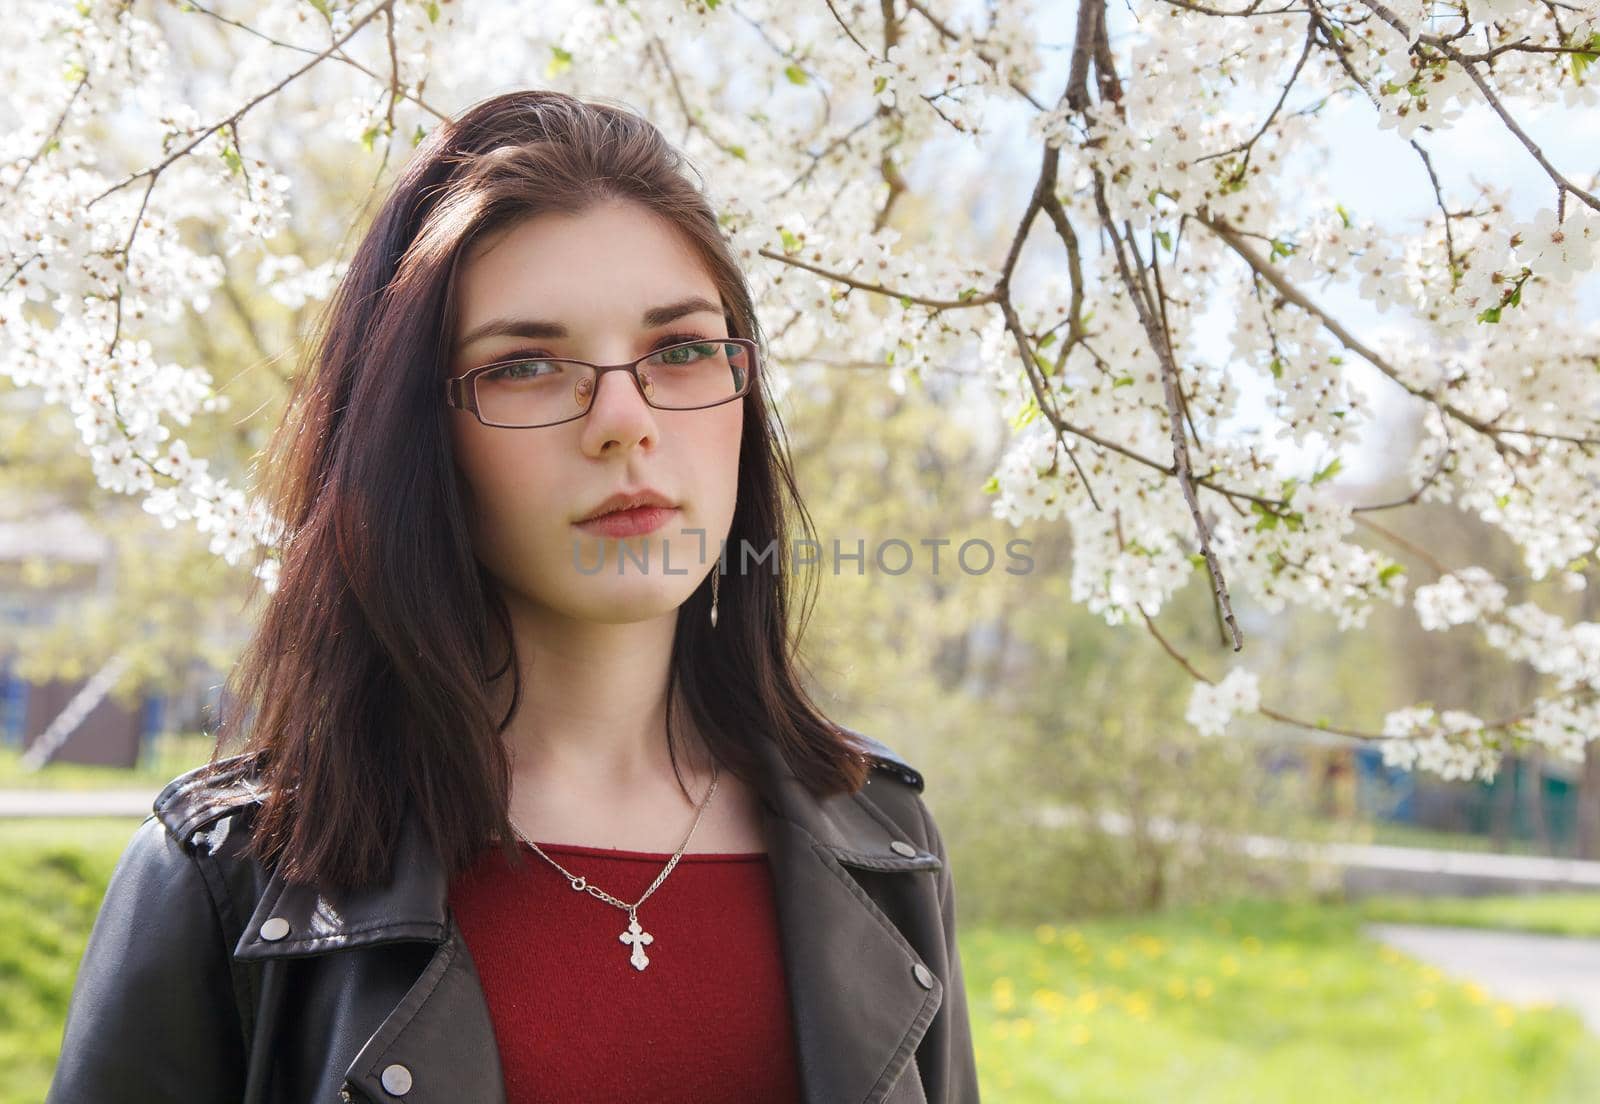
x,y
657,857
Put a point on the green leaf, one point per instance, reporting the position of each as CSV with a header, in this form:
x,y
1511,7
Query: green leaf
x,y
795,74
1277,367
1122,381
1582,57
560,61
369,137
738,151
1165,239
879,85
1197,558
321,6
1389,571
993,486
418,136
234,162
790,242
1326,473
1344,216
1489,314
1030,410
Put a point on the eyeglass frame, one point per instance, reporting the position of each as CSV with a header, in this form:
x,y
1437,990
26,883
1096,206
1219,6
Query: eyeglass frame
x,y
461,392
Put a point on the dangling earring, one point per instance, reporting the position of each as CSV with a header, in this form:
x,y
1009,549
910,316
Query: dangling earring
x,y
714,576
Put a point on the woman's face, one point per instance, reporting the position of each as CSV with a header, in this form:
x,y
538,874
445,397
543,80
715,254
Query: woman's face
x,y
592,286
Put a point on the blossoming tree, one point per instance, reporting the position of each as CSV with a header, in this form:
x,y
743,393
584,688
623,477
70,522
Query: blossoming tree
x,y
1157,188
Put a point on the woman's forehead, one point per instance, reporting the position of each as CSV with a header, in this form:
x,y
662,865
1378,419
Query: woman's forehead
x,y
606,266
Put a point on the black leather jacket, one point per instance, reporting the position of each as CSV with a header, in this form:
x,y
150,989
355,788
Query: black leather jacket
x,y
372,995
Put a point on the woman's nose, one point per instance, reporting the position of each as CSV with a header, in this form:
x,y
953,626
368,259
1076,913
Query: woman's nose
x,y
618,412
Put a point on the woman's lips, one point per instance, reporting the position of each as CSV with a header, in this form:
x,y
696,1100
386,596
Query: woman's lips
x,y
628,523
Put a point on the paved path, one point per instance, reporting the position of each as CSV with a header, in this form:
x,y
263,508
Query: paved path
x,y
1364,869
76,803
1519,967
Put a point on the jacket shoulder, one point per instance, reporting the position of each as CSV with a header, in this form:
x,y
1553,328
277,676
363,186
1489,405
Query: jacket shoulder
x,y
198,798
885,759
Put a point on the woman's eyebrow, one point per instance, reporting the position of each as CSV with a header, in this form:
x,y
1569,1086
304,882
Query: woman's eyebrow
x,y
534,328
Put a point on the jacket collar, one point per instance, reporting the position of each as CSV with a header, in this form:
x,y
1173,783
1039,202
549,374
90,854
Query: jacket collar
x,y
843,954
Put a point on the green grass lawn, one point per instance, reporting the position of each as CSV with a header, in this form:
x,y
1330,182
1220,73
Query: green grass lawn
x,y
1553,914
1255,1002
52,876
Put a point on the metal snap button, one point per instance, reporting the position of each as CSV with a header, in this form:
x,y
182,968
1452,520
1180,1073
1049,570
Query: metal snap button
x,y
275,928
924,975
903,848
396,1079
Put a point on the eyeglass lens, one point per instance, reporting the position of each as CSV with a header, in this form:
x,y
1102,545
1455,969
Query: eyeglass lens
x,y
542,391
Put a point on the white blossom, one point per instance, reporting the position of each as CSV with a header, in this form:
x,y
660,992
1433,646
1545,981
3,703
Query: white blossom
x,y
1213,705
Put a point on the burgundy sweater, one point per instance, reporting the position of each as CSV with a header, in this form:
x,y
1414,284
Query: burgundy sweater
x,y
706,1021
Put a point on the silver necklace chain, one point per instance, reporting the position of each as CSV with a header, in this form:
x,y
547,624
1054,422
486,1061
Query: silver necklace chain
x,y
636,936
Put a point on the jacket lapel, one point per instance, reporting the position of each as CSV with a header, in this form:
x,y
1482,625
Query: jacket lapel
x,y
438,1043
859,1010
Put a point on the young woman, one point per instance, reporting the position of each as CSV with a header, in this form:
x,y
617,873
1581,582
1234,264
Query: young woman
x,y
528,801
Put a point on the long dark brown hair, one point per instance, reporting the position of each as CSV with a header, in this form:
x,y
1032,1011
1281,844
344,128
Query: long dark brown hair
x,y
368,681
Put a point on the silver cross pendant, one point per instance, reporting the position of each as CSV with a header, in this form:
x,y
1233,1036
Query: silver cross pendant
x,y
638,937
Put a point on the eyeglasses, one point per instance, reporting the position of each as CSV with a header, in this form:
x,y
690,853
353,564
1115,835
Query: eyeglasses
x,y
532,392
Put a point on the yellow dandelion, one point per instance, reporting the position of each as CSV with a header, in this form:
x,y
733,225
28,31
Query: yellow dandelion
x,y
1088,1001
1115,958
1177,988
1051,1001
1077,1035
1203,988
1426,998
1228,965
1003,993
1505,1014
1475,993
1149,945
1045,933
1251,944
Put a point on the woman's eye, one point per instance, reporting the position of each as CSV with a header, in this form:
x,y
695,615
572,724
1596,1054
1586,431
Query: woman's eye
x,y
523,369
688,349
